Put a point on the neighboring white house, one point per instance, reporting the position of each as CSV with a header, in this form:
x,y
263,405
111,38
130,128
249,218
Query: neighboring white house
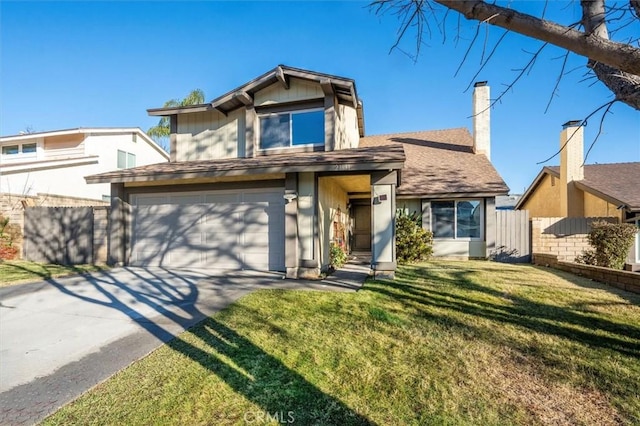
x,y
56,162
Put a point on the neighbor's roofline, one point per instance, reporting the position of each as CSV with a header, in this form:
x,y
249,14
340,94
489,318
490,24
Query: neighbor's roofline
x,y
581,184
546,170
85,130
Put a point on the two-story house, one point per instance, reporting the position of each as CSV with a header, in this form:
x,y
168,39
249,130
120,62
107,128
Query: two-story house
x,y
55,163
268,175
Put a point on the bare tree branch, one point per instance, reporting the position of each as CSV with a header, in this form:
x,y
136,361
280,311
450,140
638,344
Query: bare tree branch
x,y
584,122
618,55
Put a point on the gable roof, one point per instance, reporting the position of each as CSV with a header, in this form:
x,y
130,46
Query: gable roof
x,y
617,183
442,164
86,130
345,160
343,88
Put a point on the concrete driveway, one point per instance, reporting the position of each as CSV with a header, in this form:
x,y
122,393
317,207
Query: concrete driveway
x,y
59,338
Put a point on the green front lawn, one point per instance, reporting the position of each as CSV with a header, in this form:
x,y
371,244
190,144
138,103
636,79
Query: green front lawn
x,y
19,271
446,343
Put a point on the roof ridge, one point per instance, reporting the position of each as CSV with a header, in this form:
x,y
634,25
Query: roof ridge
x,y
416,131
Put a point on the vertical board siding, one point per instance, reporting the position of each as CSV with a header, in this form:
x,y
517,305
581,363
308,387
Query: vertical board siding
x,y
299,90
513,242
210,135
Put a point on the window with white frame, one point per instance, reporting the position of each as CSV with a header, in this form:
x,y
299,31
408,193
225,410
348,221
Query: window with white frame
x,y
21,150
457,219
288,129
126,160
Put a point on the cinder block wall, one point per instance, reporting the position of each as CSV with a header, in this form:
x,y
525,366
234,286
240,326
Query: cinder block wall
x,y
563,237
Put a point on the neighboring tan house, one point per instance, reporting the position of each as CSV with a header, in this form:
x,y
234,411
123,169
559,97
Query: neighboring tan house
x,y
577,190
270,174
55,163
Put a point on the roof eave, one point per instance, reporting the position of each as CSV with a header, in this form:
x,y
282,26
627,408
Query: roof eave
x,y
185,175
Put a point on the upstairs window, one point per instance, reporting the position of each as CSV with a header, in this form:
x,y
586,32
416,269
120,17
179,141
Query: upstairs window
x,y
10,150
126,160
457,219
289,129
22,150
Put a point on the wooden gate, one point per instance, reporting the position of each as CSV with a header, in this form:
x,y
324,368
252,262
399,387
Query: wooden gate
x,y
513,237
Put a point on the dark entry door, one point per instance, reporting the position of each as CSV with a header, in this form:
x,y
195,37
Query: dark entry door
x,y
362,228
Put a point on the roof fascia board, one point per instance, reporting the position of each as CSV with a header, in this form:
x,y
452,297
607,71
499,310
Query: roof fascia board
x,y
341,167
450,195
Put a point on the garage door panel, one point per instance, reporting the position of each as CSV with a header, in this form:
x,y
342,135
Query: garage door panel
x,y
222,199
186,200
225,230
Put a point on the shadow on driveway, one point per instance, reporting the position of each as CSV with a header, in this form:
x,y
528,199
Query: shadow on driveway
x,y
63,336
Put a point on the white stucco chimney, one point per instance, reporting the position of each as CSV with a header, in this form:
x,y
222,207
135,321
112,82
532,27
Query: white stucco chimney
x,y
481,119
571,168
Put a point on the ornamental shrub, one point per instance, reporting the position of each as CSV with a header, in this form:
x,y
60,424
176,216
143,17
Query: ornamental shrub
x,y
7,250
337,256
611,243
413,244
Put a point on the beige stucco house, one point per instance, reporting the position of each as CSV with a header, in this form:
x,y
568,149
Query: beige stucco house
x,y
55,163
268,175
577,190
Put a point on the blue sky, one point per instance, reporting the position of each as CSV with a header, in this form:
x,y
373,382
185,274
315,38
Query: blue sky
x,y
93,64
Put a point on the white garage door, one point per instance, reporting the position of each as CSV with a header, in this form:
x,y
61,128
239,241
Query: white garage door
x,y
218,229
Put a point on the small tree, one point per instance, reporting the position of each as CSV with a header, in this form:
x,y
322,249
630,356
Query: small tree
x,y
413,244
611,243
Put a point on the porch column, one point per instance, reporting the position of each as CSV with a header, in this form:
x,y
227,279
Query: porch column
x,y
118,226
291,225
383,212
308,263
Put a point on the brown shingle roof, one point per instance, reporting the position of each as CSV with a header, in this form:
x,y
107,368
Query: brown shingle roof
x,y
620,181
371,158
441,163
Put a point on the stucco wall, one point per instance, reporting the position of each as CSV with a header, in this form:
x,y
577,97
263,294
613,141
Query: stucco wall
x,y
331,197
597,207
545,200
210,135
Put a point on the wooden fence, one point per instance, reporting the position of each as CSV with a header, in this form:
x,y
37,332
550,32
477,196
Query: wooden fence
x,y
513,236
65,235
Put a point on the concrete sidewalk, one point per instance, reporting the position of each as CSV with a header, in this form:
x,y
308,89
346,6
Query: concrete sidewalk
x,y
61,337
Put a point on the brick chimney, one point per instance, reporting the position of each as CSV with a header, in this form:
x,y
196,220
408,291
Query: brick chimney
x,y
571,169
481,119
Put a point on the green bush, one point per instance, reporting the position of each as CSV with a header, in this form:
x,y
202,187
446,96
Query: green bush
x,y
337,256
611,243
413,244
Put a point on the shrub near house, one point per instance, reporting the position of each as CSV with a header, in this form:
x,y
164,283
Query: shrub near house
x,y
611,243
413,243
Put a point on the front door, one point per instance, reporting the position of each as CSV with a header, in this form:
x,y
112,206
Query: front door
x,y
362,228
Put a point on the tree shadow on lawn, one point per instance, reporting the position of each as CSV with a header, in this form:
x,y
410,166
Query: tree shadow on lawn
x,y
264,380
260,377
517,310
